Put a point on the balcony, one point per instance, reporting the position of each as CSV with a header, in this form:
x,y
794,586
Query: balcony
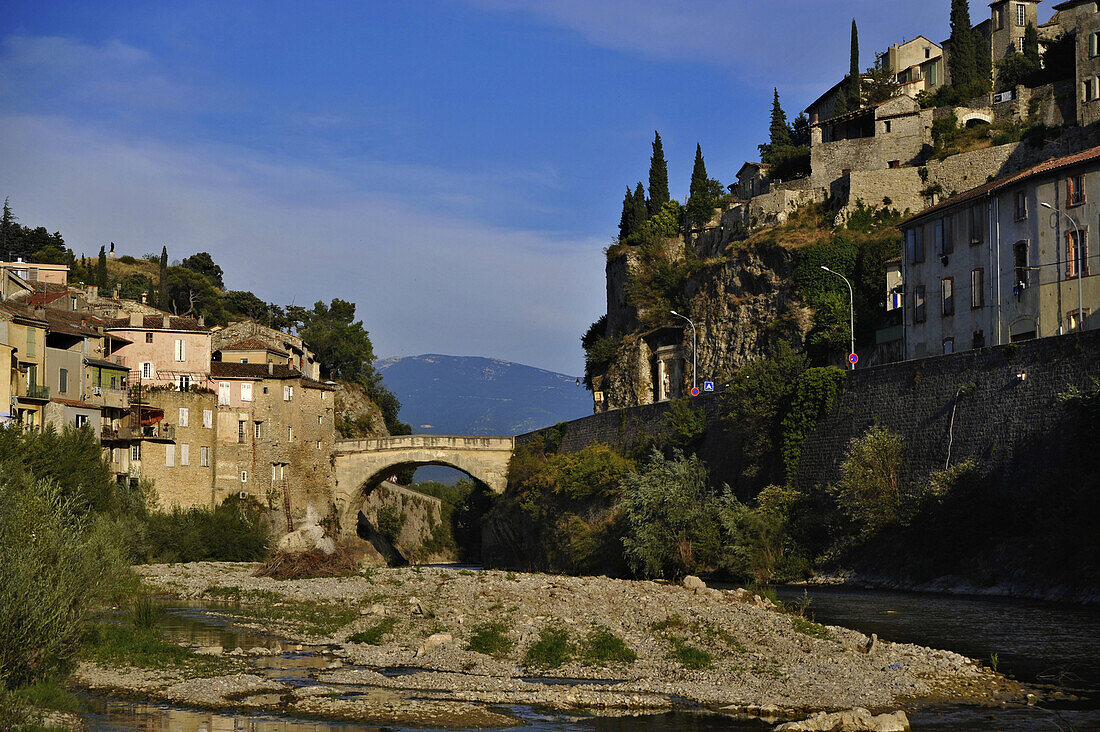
x,y
122,433
35,393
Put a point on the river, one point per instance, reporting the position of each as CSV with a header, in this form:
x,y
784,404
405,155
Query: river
x,y
1057,646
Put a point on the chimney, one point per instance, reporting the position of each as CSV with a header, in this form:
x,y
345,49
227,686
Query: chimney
x,y
39,312
137,320
167,322
270,368
202,321
93,291
118,291
144,298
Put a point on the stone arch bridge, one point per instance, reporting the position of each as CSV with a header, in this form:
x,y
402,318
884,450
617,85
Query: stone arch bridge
x,y
362,464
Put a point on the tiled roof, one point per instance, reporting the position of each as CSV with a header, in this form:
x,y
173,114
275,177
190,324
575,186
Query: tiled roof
x,y
253,344
1047,166
74,403
21,311
156,322
105,364
45,298
224,369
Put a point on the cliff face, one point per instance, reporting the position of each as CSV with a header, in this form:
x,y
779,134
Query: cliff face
x,y
741,300
356,414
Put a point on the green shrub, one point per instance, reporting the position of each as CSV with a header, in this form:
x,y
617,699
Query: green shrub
x,y
685,426
870,491
814,392
146,612
602,647
810,628
551,650
232,532
672,518
689,656
490,639
760,545
374,634
57,567
390,519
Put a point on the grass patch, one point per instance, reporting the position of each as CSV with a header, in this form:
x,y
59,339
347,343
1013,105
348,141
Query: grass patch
x,y
51,695
146,613
810,628
688,655
602,647
672,621
714,632
551,650
119,645
374,634
490,639
308,616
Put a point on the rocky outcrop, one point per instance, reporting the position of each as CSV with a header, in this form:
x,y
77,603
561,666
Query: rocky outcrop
x,y
853,720
356,414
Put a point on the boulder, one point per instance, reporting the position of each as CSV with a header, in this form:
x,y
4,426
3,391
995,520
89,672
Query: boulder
x,y
309,537
852,720
432,642
694,584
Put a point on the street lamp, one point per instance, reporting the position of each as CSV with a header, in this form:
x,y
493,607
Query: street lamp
x,y
694,383
1078,265
851,313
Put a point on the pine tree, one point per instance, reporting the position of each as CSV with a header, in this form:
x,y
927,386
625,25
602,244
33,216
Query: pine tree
x,y
961,61
641,213
625,221
853,73
698,174
658,177
7,225
800,131
101,270
162,289
840,104
1031,45
779,133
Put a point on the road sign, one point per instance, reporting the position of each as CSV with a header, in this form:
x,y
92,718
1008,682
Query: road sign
x,y
708,386
695,391
854,358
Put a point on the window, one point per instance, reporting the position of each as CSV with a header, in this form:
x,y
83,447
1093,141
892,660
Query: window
x,y
223,393
948,346
1021,14
977,225
288,393
914,243
258,430
1023,273
947,295
244,360
183,382
180,350
886,125
979,339
135,452
32,274
999,17
72,304
322,396
63,381
147,370
1094,44
246,391
1077,253
244,476
240,430
185,454
927,52
148,337
1021,205
1088,90
977,288
204,457
937,235
918,304
318,444
1020,45
1074,319
320,419
184,414
932,71
208,418
290,434
170,455
81,420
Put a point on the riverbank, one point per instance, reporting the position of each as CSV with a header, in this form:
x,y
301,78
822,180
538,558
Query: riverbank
x,y
464,642
1023,588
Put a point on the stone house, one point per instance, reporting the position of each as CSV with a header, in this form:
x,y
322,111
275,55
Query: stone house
x,y
23,332
752,180
917,65
1003,262
1081,20
277,343
163,350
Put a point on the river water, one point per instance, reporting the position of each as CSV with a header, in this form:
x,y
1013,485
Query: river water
x,y
1057,646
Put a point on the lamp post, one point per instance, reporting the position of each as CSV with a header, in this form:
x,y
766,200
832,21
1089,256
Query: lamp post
x,y
851,313
1078,265
694,383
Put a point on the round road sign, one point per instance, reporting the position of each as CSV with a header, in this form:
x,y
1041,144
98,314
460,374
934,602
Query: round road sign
x,y
853,357
695,391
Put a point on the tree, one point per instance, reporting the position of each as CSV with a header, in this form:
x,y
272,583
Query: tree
x,y
704,192
1031,45
658,177
162,285
203,263
7,227
840,104
625,228
961,61
800,131
779,133
193,294
641,213
853,73
101,270
698,174
878,85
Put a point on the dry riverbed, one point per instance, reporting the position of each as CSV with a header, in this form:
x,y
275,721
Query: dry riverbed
x,y
470,643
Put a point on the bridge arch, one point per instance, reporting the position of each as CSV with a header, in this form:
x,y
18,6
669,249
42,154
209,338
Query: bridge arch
x,y
973,117
363,464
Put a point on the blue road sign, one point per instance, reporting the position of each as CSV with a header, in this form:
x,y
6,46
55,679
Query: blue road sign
x,y
695,391
708,386
854,358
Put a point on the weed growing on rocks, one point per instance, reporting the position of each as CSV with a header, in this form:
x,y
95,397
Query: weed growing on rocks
x,y
551,650
120,645
688,655
374,634
810,628
490,639
602,647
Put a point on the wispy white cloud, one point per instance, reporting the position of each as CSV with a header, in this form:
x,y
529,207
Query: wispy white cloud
x,y
425,281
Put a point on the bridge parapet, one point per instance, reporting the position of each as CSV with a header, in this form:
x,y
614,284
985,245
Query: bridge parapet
x,y
431,442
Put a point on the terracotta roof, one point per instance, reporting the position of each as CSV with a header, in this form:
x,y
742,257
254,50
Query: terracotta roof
x,y
74,403
45,298
1047,166
21,311
252,344
226,370
156,322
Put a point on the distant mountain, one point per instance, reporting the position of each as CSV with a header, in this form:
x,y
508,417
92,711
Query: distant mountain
x,y
469,395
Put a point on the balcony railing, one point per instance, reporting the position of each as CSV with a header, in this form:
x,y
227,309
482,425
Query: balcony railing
x,y
37,391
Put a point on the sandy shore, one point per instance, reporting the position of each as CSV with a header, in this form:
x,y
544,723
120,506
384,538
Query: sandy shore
x,y
758,661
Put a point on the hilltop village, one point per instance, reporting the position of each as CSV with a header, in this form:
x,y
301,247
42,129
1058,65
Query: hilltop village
x,y
979,153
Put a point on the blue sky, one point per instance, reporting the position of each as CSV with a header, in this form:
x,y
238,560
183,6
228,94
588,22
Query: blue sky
x,y
455,168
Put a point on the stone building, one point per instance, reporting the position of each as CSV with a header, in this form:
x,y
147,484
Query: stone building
x,y
1003,262
164,349
23,333
752,180
1081,20
279,347
916,65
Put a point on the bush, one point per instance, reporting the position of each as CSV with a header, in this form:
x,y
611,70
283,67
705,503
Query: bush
x,y
814,391
57,567
672,518
551,650
870,491
231,532
127,259
602,647
685,426
390,519
760,545
490,639
374,634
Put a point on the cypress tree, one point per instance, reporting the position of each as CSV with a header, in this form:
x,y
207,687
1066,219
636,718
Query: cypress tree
x,y
983,64
6,225
626,220
961,61
698,174
1031,45
101,270
840,105
658,177
853,73
779,133
640,212
162,289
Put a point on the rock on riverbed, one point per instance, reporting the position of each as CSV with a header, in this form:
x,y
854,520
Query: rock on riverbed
x,y
718,648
